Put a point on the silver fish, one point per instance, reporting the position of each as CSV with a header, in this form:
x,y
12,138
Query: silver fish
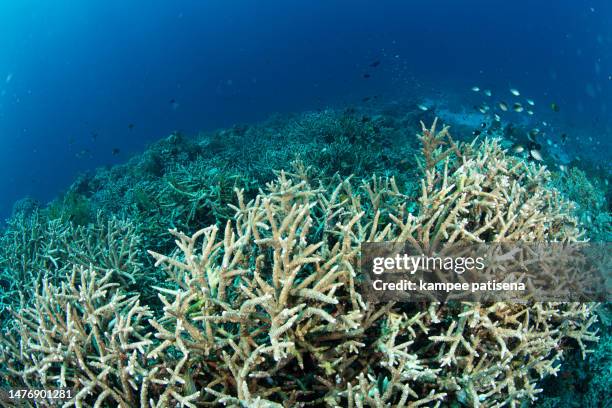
x,y
536,155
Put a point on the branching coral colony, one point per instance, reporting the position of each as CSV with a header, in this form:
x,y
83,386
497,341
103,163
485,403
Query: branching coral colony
x,y
267,312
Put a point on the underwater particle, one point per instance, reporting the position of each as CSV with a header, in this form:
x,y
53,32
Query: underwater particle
x,y
475,89
530,102
518,149
535,154
554,107
115,151
366,76
503,106
422,107
375,64
487,92
517,107
515,92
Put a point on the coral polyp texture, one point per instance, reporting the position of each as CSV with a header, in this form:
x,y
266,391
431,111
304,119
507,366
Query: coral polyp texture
x,y
266,309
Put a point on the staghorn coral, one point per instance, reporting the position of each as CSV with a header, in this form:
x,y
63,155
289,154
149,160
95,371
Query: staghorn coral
x,y
589,194
270,311
86,335
35,247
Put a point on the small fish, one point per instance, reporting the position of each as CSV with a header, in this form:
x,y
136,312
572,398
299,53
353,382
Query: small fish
x,y
8,78
115,151
131,126
483,125
497,118
530,112
515,92
517,107
536,155
375,64
554,107
530,102
563,138
503,106
518,149
476,132
482,109
367,98
475,89
549,142
544,123
422,107
487,92
563,167
367,76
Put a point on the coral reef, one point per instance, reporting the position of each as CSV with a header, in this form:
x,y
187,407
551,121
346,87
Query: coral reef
x,y
33,247
589,194
84,334
264,306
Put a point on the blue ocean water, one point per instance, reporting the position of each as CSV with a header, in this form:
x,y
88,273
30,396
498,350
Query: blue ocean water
x,y
87,84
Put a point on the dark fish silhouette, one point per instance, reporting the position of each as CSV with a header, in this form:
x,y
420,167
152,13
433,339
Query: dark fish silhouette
x,y
131,126
375,64
367,98
366,75
116,151
554,107
94,136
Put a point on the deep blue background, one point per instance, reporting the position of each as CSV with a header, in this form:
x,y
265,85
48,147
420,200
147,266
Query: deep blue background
x,y
75,68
